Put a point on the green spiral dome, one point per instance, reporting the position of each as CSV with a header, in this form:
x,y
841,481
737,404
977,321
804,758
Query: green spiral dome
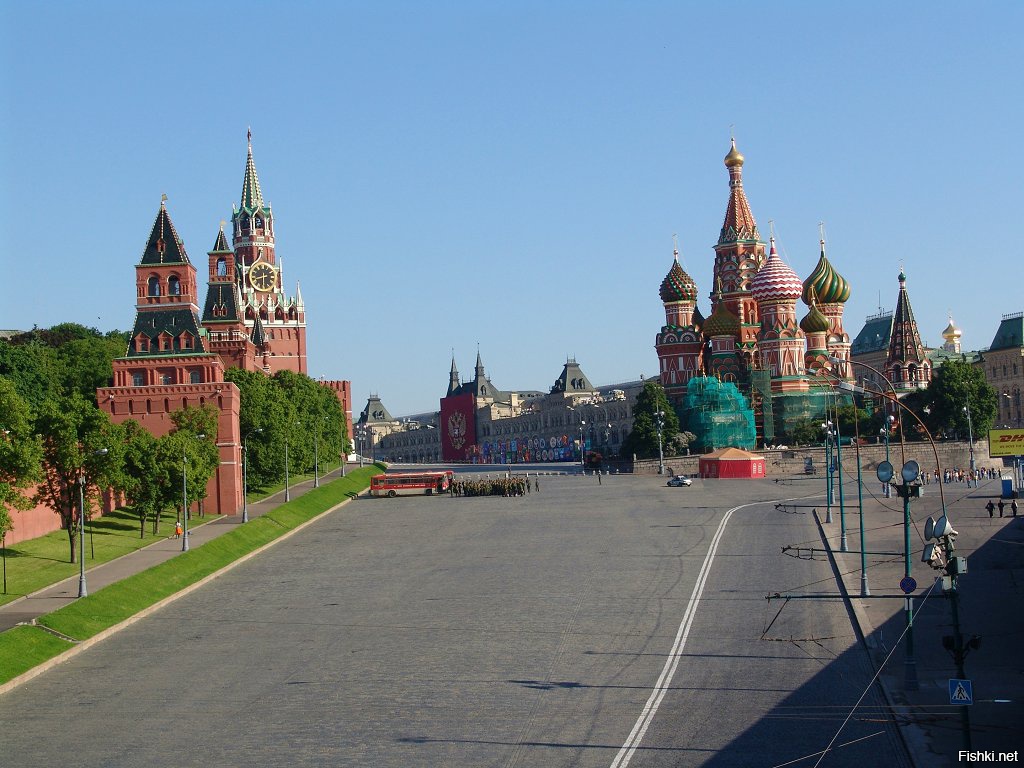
x,y
814,321
828,285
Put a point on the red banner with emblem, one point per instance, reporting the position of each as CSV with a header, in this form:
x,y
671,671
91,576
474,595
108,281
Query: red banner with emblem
x,y
458,427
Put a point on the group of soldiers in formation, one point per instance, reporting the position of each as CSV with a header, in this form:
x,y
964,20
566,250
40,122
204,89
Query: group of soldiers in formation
x,y
507,485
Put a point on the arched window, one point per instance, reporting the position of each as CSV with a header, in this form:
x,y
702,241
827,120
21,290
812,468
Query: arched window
x,y
154,286
222,267
173,286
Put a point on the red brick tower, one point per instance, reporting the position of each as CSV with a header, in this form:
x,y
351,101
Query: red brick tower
x,y
223,318
739,254
168,367
260,281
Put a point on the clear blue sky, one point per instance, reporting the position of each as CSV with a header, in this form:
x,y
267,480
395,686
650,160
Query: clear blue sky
x,y
449,174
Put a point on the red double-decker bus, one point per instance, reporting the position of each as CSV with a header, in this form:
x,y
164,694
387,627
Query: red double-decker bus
x,y
411,483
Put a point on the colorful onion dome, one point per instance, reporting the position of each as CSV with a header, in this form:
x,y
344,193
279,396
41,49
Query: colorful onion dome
x,y
828,285
734,158
677,285
814,321
722,322
776,281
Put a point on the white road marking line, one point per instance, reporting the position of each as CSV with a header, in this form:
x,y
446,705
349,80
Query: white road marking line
x,y
672,661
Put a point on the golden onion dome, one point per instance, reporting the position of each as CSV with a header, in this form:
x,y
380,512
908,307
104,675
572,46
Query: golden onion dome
x,y
951,332
722,322
734,158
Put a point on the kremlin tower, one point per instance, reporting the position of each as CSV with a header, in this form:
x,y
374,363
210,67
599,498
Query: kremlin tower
x,y
176,357
907,365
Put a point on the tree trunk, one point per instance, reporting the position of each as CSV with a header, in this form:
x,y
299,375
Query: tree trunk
x,y
142,525
73,542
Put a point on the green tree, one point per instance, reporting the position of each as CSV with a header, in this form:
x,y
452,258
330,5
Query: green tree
x,y
32,369
143,480
954,387
74,432
21,451
643,439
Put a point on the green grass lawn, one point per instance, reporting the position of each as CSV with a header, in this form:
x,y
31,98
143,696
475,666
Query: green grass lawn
x,y
25,647
37,563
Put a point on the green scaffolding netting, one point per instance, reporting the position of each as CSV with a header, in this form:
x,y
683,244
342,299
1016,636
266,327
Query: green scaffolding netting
x,y
718,414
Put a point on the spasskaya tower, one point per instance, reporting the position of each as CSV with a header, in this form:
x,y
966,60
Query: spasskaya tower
x,y
275,322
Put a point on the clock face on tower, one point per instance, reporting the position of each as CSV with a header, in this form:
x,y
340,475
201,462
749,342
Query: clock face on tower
x,y
262,276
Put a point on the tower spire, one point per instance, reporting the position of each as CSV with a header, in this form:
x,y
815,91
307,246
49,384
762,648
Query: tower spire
x,y
252,196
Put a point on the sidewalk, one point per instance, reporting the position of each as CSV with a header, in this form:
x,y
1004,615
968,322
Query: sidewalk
x,y
991,598
25,610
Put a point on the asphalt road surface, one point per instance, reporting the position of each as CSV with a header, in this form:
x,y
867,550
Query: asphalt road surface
x,y
614,624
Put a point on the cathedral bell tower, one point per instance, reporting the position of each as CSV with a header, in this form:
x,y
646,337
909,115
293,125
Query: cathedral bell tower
x,y
739,254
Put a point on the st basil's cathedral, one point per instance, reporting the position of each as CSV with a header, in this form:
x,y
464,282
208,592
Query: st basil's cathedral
x,y
753,337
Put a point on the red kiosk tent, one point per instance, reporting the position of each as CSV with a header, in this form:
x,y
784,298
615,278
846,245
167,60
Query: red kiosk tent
x,y
732,463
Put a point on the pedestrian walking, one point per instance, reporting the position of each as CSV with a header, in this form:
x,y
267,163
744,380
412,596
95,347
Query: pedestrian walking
x,y
536,483
177,529
1001,505
1013,506
990,507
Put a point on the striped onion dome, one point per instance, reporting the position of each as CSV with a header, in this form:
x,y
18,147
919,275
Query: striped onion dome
x,y
775,281
828,285
814,321
677,285
722,322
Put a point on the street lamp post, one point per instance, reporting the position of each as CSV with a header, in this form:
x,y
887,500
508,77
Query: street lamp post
x,y
886,430
970,438
287,490
245,472
83,589
184,494
316,457
583,453
660,416
826,428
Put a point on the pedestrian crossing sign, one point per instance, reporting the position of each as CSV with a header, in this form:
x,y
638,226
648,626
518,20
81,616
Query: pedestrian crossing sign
x,y
961,692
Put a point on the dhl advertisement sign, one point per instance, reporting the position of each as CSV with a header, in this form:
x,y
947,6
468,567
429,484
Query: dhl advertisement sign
x,y
1005,442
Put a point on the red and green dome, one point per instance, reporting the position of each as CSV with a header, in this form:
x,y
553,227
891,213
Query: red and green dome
x,y
828,285
677,285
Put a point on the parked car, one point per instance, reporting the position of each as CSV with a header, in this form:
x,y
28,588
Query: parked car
x,y
679,480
